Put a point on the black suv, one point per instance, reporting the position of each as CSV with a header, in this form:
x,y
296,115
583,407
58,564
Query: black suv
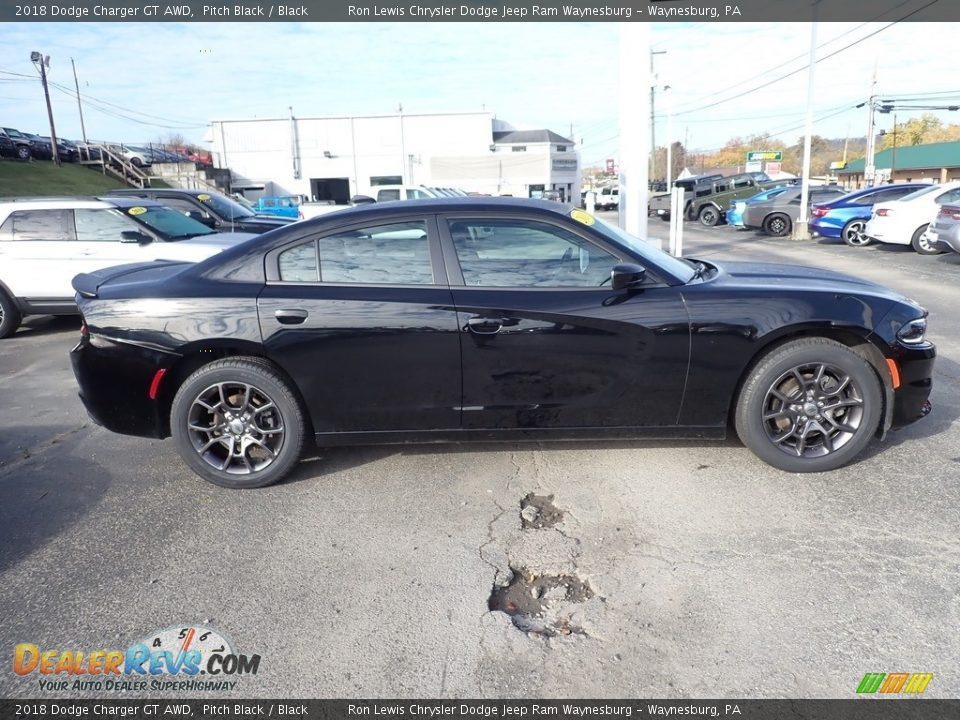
x,y
211,208
15,144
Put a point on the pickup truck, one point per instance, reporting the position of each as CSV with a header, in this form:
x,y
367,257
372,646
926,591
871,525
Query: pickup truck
x,y
607,199
282,206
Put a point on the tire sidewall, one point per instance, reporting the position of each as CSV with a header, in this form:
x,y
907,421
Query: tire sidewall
x,y
260,375
10,320
709,216
749,424
768,224
917,242
846,230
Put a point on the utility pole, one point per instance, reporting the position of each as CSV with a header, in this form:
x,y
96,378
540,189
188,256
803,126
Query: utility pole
x,y
801,230
83,129
893,161
870,166
653,120
634,165
43,63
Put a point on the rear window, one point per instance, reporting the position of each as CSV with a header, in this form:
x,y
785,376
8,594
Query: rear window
x,y
38,225
920,193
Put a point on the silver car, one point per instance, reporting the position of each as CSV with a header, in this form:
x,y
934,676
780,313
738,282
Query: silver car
x,y
944,231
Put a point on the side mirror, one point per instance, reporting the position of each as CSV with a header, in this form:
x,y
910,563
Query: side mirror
x,y
135,236
627,276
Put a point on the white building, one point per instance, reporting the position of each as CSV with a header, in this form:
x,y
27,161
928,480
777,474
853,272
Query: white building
x,y
334,158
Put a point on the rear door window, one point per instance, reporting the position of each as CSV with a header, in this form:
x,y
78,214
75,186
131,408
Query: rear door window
x,y
50,225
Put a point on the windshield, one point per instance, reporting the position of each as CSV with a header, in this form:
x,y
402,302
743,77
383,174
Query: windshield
x,y
224,207
167,223
920,193
618,237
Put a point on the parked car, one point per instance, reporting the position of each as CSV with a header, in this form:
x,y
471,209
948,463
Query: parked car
x,y
607,198
846,217
44,242
21,143
386,193
944,232
905,221
42,148
245,356
734,214
777,214
659,205
709,201
213,209
282,206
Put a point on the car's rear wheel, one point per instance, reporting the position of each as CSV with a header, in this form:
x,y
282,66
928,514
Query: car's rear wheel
x,y
810,405
854,233
709,215
9,316
920,243
777,225
23,152
237,423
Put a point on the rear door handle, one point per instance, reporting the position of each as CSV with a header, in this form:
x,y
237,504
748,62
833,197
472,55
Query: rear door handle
x,y
484,326
290,317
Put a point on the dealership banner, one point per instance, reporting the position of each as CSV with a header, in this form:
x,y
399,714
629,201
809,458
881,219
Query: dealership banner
x,y
880,11
426,709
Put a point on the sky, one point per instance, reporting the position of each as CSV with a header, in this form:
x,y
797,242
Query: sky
x,y
142,82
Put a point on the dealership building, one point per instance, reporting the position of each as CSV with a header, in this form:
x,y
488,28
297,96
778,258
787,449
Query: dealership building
x,y
334,158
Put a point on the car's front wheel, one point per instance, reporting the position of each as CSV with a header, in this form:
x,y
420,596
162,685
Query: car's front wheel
x,y
9,315
810,405
23,152
237,423
854,233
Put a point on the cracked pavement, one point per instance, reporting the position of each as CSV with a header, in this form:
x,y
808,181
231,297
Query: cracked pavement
x,y
368,574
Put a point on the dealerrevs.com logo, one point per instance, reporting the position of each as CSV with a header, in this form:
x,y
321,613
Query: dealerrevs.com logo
x,y
894,683
183,657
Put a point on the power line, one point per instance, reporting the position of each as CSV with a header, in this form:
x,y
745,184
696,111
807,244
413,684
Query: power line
x,y
104,107
804,67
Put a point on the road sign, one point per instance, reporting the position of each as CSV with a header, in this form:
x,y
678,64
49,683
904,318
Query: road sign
x,y
774,167
753,167
761,155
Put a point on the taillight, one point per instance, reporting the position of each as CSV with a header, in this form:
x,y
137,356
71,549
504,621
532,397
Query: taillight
x,y
883,212
820,211
950,212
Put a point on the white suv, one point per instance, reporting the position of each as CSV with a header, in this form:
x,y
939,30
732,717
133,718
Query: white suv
x,y
45,242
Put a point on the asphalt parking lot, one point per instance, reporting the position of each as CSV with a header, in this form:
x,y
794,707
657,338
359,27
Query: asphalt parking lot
x,y
677,569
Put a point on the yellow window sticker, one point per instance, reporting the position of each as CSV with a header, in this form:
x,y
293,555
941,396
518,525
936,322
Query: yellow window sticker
x,y
137,210
582,217
203,198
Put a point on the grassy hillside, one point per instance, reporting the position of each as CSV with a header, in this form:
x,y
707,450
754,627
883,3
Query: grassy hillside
x,y
41,177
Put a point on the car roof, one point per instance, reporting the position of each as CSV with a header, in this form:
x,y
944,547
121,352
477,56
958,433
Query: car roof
x,y
126,202
447,204
54,203
145,191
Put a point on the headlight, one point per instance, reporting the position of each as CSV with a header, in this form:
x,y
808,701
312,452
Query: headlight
x,y
912,332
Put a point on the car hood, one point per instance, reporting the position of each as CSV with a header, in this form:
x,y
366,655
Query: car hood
x,y
271,220
753,275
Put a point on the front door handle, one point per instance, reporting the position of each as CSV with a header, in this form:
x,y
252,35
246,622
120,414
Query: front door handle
x,y
290,317
484,326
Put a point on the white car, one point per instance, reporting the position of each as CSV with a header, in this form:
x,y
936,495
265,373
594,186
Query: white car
x,y
905,221
45,242
608,199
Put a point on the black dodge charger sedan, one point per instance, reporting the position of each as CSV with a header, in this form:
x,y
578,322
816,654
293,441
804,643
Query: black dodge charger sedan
x,y
479,318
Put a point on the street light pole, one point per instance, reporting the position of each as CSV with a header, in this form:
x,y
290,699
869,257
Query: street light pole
x,y
801,231
653,124
43,63
634,165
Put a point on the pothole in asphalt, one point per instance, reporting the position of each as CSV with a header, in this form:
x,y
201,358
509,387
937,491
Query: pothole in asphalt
x,y
538,511
528,597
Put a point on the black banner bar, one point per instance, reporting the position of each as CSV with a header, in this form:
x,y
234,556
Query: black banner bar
x,y
854,709
479,11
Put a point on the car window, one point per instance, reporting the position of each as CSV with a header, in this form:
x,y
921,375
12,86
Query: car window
x,y
868,199
386,195
393,254
101,225
38,225
948,197
182,206
921,192
742,182
527,253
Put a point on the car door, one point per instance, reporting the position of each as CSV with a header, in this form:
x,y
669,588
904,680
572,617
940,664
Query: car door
x,y
39,254
362,318
101,243
546,344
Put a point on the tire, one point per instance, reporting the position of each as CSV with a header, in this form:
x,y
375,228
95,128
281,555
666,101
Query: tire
x,y
709,216
853,233
802,436
252,391
665,217
777,225
918,243
136,162
9,316
23,152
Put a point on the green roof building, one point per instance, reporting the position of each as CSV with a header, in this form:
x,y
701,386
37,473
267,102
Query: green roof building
x,y
935,162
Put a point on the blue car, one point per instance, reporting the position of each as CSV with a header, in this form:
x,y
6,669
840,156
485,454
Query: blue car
x,y
846,217
734,215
